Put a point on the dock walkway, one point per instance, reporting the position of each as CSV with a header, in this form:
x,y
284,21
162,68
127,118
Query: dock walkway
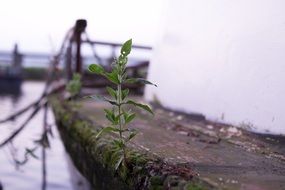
x,y
221,156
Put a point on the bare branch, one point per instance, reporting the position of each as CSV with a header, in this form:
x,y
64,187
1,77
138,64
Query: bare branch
x,y
34,104
16,132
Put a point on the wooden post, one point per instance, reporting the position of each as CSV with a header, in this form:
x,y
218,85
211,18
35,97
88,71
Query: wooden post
x,y
68,61
80,26
17,61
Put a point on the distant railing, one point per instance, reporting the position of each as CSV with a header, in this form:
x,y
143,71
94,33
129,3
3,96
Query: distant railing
x,y
71,52
115,44
70,59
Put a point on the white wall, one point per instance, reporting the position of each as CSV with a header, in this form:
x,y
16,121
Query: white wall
x,y
224,59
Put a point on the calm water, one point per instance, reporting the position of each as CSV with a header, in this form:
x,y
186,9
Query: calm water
x,y
60,174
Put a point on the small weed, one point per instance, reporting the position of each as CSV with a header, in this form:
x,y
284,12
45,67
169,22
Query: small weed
x,y
74,86
118,116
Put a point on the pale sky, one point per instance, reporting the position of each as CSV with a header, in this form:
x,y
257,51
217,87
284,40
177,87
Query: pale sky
x,y
32,23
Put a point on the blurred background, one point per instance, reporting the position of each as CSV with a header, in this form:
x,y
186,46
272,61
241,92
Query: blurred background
x,y
32,32
39,26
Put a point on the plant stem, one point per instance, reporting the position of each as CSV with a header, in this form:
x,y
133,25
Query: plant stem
x,y
119,107
120,120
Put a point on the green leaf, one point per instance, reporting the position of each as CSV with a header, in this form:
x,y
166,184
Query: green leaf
x,y
111,119
98,69
139,80
126,48
125,93
110,116
120,160
102,98
113,77
130,117
132,135
107,129
118,144
143,106
112,92
117,118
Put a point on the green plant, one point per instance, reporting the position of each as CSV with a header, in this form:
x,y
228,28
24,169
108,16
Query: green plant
x,y
74,85
118,117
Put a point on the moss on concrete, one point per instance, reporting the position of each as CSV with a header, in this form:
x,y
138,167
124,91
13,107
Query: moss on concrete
x,y
96,158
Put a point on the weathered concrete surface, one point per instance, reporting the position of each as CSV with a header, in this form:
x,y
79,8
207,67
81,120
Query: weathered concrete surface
x,y
96,158
222,156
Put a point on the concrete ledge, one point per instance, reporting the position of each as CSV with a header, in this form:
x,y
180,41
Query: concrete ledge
x,y
171,151
95,158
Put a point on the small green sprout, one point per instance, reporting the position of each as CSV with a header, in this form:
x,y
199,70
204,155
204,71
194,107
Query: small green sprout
x,y
74,86
118,117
